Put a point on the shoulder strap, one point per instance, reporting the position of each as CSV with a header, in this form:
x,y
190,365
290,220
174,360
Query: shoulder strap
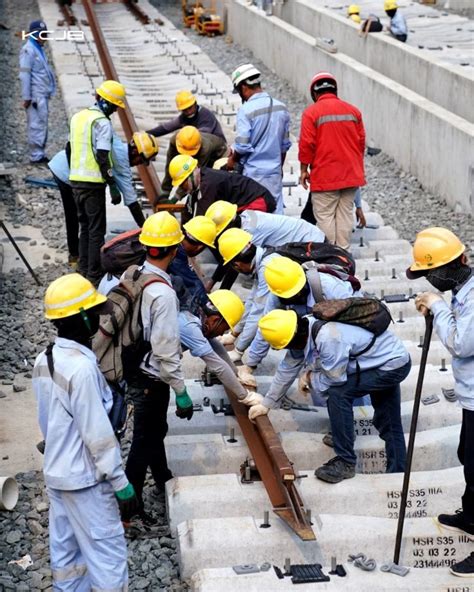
x,y
49,358
314,279
316,328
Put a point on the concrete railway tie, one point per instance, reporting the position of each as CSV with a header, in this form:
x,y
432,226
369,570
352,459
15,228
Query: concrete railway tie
x,y
217,518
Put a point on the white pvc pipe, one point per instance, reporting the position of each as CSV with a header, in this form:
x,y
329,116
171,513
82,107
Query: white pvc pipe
x,y
8,493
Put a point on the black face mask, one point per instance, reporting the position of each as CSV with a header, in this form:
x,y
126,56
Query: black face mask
x,y
449,277
300,298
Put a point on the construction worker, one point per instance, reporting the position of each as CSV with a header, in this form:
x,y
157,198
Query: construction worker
x,y
398,25
331,155
199,327
206,149
353,12
204,186
90,138
38,85
262,134
82,463
440,257
190,114
161,366
141,150
292,287
335,376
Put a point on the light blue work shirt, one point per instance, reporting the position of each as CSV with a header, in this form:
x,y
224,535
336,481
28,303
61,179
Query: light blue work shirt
x,y
191,335
36,76
265,157
455,328
358,198
121,169
274,230
329,358
332,288
398,24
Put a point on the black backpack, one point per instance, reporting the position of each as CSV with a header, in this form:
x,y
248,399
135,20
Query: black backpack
x,y
367,313
122,251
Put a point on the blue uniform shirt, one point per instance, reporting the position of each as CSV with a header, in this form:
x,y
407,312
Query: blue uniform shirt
x,y
455,328
398,24
274,230
36,76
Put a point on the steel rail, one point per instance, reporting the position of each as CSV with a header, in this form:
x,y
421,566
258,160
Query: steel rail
x,y
137,12
148,175
275,469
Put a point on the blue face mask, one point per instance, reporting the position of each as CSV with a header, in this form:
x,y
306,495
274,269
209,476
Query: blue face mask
x,y
106,107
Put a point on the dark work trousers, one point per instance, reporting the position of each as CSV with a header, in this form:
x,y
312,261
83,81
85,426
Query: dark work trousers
x,y
466,457
307,213
70,214
150,402
90,203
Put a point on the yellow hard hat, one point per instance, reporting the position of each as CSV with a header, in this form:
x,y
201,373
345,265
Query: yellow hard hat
x,y
184,100
161,230
180,168
390,5
113,92
229,305
70,294
353,9
221,213
278,327
146,144
285,277
232,242
201,229
434,247
188,140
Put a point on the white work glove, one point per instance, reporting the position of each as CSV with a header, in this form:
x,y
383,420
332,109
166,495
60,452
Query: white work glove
x,y
246,377
304,382
227,339
425,301
257,410
235,355
251,399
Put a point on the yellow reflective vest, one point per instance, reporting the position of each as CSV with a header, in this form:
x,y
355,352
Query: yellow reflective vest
x,y
84,166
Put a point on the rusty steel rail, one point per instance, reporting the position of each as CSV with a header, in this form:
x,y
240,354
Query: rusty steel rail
x,y
148,174
275,469
137,11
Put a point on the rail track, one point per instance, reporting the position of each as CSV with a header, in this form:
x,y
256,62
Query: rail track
x,y
214,506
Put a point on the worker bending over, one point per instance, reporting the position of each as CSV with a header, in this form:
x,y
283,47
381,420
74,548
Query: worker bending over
x,y
440,257
398,25
82,464
330,349
190,114
262,134
353,12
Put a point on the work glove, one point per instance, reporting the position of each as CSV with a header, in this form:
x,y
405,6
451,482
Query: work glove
x,y
227,339
246,377
425,301
184,405
251,398
257,410
128,502
115,194
235,355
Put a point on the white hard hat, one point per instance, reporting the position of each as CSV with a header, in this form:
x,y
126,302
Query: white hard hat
x,y
243,73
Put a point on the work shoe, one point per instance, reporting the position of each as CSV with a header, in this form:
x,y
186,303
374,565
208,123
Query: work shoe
x,y
335,470
73,262
327,439
464,568
456,522
43,160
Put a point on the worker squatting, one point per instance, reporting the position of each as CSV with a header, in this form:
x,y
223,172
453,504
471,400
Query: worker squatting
x,y
234,207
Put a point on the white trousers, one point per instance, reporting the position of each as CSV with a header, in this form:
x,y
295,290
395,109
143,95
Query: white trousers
x,y
86,540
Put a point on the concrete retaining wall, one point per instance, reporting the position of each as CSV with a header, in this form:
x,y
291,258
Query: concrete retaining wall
x,y
446,85
423,138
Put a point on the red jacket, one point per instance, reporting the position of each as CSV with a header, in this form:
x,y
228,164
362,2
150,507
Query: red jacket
x,y
332,142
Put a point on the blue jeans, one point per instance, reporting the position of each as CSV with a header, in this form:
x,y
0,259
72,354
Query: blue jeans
x,y
384,390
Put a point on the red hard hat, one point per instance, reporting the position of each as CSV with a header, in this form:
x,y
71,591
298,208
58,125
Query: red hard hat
x,y
320,77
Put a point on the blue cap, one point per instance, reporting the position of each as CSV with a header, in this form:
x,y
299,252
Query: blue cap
x,y
38,26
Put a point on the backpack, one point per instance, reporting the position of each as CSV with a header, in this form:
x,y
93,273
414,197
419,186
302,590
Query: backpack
x,y
367,313
119,411
119,344
122,251
316,258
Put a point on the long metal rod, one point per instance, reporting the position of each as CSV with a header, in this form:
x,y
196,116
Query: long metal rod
x,y
148,175
275,469
17,249
411,439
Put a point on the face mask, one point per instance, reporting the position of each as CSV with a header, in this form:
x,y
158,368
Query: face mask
x,y
448,277
106,107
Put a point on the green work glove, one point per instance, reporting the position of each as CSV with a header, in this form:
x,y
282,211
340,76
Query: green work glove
x,y
115,194
127,501
184,405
